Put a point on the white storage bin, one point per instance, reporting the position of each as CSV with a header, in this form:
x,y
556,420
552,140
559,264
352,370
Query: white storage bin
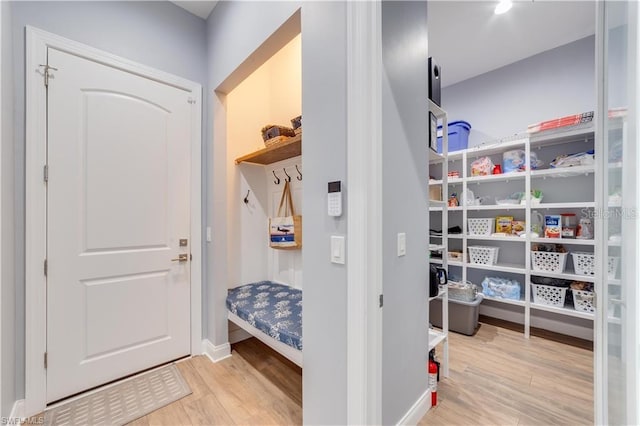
x,y
483,255
547,261
583,301
480,226
548,295
584,264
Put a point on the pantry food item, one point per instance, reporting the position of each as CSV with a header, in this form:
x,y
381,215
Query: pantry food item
x,y
503,224
557,123
568,225
585,229
483,166
552,226
515,161
435,192
518,227
570,160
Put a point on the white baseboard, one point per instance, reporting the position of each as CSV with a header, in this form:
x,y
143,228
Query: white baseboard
x,y
216,353
418,410
17,412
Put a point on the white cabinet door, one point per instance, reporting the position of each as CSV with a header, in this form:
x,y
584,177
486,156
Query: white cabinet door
x,y
118,203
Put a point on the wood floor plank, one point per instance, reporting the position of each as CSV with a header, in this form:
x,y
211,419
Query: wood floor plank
x,y
172,414
284,374
206,410
497,377
143,421
198,386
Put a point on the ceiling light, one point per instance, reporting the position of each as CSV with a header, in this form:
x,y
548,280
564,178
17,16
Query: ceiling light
x,y
503,7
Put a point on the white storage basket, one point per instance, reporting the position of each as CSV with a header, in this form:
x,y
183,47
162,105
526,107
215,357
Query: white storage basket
x,y
584,264
548,295
584,301
483,255
548,261
480,226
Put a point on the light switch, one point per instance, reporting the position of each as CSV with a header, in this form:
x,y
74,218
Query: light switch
x,y
402,244
337,249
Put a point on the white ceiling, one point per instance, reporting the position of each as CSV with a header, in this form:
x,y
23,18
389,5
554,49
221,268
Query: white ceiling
x,y
201,8
467,39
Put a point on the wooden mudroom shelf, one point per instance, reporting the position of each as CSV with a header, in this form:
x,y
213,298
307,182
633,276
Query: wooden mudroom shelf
x,y
277,152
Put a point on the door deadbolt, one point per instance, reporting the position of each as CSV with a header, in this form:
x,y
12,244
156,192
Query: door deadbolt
x,y
183,257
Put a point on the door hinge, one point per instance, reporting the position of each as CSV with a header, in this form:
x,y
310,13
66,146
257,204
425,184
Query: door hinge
x,y
45,267
45,360
381,301
191,101
46,74
45,173
190,256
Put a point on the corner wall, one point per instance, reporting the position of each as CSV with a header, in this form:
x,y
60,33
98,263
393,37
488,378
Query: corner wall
x,y
404,191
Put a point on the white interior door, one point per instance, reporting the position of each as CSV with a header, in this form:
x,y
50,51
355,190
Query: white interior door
x,y
118,203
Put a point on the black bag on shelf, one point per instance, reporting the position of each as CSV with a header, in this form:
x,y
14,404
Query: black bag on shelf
x,y
437,277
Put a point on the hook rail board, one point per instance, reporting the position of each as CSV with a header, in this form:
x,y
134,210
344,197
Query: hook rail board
x,y
277,152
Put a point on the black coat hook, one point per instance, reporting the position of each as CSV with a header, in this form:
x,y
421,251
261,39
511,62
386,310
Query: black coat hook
x,y
246,199
277,181
285,172
299,177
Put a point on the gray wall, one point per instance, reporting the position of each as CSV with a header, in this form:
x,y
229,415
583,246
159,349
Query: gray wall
x,y
324,65
7,279
157,34
236,30
405,171
505,101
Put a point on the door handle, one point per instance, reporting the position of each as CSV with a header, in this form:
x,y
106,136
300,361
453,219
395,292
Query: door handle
x,y
181,258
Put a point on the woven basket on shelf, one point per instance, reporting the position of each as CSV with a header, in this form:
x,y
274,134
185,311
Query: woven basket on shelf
x,y
271,131
274,141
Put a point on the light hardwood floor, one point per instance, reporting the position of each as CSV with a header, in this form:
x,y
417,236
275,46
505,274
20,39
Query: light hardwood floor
x,y
499,378
255,386
496,378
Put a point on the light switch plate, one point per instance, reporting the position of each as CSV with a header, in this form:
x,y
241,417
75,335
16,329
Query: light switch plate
x,y
337,249
402,244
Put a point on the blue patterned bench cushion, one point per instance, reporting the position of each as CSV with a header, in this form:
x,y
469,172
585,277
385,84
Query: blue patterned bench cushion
x,y
274,309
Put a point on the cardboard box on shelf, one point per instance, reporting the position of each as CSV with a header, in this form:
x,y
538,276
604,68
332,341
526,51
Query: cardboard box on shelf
x,y
435,192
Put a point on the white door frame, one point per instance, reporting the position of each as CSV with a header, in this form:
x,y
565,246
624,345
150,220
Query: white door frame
x,y
1,196
37,43
364,221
